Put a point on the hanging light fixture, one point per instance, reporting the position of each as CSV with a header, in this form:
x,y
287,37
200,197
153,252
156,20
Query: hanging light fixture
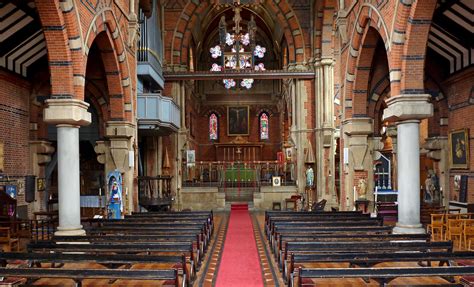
x,y
238,51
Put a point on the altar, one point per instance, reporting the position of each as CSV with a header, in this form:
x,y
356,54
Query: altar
x,y
239,150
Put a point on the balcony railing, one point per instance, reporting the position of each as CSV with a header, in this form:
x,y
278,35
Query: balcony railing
x,y
156,112
237,174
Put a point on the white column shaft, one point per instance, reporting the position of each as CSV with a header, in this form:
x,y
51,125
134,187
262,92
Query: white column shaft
x,y
408,178
68,179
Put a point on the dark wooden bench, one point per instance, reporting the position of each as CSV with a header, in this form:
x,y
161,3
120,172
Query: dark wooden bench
x,y
119,248
272,221
157,225
382,275
196,239
362,246
324,223
283,238
366,259
107,260
328,230
78,275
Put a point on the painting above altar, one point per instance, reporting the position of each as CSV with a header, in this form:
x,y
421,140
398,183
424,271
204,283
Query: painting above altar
x,y
238,121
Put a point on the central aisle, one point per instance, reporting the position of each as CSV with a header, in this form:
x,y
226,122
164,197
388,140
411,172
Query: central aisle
x,y
240,263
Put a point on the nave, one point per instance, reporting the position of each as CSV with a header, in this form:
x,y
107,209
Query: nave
x,y
240,248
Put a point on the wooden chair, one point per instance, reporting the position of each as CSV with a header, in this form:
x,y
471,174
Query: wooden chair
x,y
436,225
468,232
447,218
455,228
7,241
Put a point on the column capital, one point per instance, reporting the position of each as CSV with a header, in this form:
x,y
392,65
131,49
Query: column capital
x,y
67,111
358,126
408,107
119,129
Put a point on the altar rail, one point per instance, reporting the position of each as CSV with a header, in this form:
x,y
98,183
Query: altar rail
x,y
237,174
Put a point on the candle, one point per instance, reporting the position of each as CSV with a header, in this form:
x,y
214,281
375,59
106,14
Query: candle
x,y
355,193
126,191
100,191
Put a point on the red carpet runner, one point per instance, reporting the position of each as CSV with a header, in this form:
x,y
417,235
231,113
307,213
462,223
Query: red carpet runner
x,y
240,263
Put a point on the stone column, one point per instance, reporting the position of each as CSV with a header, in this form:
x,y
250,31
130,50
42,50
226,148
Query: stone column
x,y
68,115
356,132
407,110
324,131
438,151
121,138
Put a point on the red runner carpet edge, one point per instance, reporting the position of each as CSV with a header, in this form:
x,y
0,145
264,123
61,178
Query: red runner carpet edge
x,y
240,263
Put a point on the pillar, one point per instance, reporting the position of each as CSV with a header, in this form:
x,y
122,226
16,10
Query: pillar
x,y
360,163
325,131
407,111
68,115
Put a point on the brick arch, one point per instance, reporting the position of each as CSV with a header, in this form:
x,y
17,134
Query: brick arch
x,y
364,67
72,19
367,16
93,95
378,95
112,75
182,34
99,97
414,52
59,56
106,22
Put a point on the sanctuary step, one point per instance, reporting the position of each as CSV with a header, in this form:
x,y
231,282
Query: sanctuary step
x,y
239,206
242,194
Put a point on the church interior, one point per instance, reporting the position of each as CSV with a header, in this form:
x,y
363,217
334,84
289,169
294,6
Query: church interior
x,y
236,142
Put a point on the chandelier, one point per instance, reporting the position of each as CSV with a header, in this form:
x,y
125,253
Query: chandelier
x,y
238,51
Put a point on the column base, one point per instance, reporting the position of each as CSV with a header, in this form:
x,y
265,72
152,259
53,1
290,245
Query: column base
x,y
408,229
70,232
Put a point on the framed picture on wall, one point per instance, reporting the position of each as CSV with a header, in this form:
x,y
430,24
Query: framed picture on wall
x,y
459,148
238,121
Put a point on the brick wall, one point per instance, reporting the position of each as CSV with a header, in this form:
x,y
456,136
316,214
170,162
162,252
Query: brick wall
x,y
461,115
205,149
14,123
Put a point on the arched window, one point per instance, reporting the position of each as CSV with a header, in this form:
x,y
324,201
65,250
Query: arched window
x,y
263,124
213,127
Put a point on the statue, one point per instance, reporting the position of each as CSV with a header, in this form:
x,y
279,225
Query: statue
x,y
309,177
431,187
362,188
115,196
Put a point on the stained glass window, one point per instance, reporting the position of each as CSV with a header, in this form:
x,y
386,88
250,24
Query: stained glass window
x,y
237,51
213,126
264,135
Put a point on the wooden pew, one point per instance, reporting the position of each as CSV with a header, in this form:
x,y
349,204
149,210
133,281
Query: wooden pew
x,y
272,221
150,230
136,238
107,260
324,223
283,238
382,275
362,246
370,259
328,230
119,248
78,275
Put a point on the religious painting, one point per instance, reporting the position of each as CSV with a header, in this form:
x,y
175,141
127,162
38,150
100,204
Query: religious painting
x,y
238,121
459,148
40,184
